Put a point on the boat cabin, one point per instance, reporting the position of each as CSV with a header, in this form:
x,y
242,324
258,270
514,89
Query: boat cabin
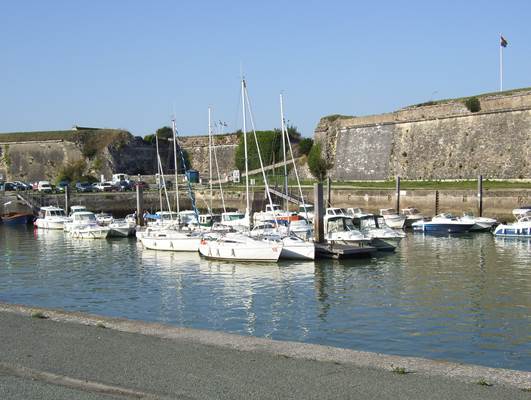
x,y
338,223
303,208
272,207
232,216
47,212
76,209
334,211
81,217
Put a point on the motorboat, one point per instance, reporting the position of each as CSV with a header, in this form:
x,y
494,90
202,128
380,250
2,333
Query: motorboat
x,y
375,227
294,247
17,218
51,218
235,219
340,227
392,218
443,223
307,211
519,229
187,217
302,228
480,223
168,239
76,208
240,247
522,212
412,215
274,212
104,219
121,228
85,226
356,212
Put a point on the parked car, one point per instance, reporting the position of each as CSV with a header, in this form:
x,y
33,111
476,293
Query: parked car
x,y
104,187
84,187
61,186
9,186
45,187
142,184
19,185
123,186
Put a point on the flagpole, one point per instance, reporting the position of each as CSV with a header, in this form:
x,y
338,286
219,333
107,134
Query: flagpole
x,y
501,64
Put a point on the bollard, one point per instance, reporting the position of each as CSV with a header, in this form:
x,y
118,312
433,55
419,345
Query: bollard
x,y
480,195
318,226
67,199
398,194
139,205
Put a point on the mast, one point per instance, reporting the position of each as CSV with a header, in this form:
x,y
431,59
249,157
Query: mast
x,y
159,169
210,156
248,208
284,138
174,130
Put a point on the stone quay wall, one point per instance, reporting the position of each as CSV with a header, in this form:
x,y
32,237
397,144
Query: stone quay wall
x,y
438,141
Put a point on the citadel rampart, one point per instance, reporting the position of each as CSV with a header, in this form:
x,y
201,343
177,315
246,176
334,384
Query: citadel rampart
x,y
433,141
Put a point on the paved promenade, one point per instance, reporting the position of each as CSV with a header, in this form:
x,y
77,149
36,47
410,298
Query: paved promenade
x,y
79,356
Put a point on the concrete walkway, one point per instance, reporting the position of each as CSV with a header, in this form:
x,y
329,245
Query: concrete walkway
x,y
78,356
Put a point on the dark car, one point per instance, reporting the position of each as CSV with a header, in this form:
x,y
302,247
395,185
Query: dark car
x,y
141,184
9,186
123,186
84,187
21,185
61,186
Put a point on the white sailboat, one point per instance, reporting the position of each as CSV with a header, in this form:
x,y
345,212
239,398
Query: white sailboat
x,y
237,245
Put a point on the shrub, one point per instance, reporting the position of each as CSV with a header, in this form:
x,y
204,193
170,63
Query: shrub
x,y
317,164
305,145
473,104
73,171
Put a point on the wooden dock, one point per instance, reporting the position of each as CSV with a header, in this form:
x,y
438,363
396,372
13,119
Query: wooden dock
x,y
341,250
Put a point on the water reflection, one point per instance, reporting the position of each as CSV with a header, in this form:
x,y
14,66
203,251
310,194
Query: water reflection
x,y
464,298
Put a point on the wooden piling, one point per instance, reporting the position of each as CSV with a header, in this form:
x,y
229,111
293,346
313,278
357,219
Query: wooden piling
x,y
318,223
67,199
139,205
328,192
398,194
436,202
480,195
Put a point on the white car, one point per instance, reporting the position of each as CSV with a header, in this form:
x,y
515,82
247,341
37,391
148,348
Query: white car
x,y
44,187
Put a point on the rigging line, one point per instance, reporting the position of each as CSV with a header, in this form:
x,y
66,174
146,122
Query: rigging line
x,y
251,118
190,190
217,169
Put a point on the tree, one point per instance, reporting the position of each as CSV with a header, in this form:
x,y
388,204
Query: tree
x,y
270,143
317,164
165,132
473,104
293,133
305,145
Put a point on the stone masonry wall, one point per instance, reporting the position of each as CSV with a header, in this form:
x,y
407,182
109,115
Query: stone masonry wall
x,y
443,141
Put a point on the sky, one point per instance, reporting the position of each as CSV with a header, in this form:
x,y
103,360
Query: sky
x,y
133,64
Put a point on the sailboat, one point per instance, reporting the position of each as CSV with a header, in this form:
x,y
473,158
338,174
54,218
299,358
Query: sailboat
x,y
172,236
238,245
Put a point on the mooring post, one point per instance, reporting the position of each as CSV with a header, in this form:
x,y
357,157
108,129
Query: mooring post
x,y
139,205
318,226
328,192
398,194
436,202
480,195
67,199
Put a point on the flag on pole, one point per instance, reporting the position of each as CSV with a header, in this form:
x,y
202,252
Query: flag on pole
x,y
503,42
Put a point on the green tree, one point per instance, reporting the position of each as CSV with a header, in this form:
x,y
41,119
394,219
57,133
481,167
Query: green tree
x,y
165,132
317,164
305,145
270,143
293,133
473,104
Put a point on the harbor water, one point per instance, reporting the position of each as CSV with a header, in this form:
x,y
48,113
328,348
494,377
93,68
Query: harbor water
x,y
461,298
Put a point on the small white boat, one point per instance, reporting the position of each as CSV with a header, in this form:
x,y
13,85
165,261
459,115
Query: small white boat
x,y
169,239
104,219
302,228
443,223
85,226
412,215
480,223
235,219
392,219
240,247
375,227
121,228
340,228
306,211
519,229
522,212
274,212
51,218
73,209
294,247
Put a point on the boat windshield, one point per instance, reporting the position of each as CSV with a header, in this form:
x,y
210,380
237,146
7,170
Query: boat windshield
x,y
367,223
307,208
233,217
56,213
85,217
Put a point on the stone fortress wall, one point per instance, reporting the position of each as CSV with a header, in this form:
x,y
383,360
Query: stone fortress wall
x,y
433,141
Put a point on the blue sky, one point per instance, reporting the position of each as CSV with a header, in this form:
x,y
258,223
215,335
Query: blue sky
x,y
129,64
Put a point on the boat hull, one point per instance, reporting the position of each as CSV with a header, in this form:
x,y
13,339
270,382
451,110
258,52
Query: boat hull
x,y
237,252
121,231
43,224
90,233
443,228
17,219
170,242
297,250
513,231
